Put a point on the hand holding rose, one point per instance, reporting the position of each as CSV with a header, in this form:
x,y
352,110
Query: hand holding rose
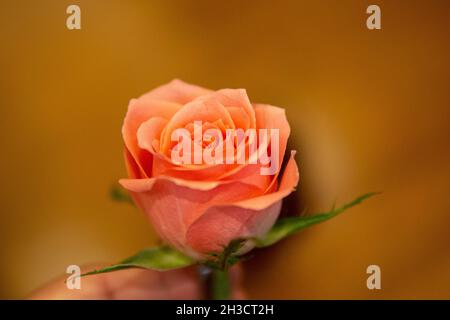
x,y
205,168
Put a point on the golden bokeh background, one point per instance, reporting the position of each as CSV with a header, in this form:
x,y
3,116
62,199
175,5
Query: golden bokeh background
x,y
369,110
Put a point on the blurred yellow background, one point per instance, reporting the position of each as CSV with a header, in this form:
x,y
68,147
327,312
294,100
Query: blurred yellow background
x,y
369,110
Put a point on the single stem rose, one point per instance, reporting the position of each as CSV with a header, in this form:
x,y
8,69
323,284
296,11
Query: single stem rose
x,y
244,194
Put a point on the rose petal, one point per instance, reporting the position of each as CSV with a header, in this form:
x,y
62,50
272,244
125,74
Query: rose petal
x,y
252,217
202,109
139,111
214,230
240,118
150,131
267,116
173,204
271,117
131,165
232,98
250,174
176,91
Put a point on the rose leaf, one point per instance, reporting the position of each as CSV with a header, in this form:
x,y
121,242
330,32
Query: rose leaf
x,y
288,226
159,259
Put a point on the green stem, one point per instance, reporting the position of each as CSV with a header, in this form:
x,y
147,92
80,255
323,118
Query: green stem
x,y
220,285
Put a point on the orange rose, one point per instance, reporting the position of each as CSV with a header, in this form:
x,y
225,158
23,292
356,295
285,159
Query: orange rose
x,y
200,207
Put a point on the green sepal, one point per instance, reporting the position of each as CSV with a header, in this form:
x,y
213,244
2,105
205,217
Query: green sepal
x,y
120,195
227,257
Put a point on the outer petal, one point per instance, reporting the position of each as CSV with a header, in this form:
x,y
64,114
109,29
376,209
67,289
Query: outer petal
x,y
271,117
252,217
164,102
139,111
173,204
219,225
176,91
250,174
133,169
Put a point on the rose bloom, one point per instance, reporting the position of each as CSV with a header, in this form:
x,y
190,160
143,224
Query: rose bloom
x,y
200,208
